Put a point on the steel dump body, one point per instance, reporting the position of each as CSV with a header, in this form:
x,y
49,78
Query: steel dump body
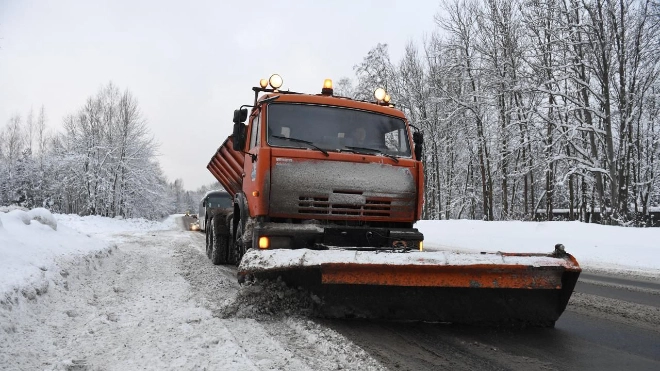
x,y
328,199
227,166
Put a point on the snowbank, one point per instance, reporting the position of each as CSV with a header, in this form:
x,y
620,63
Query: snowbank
x,y
95,225
593,245
30,244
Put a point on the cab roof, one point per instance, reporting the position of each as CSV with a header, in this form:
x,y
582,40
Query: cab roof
x,y
332,100
216,192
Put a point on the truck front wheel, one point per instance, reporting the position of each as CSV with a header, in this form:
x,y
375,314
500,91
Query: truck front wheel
x,y
220,245
238,244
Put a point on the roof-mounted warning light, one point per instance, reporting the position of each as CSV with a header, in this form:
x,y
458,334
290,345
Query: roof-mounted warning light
x,y
379,94
327,87
275,81
382,98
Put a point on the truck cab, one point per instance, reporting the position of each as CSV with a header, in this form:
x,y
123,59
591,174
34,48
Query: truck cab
x,y
319,171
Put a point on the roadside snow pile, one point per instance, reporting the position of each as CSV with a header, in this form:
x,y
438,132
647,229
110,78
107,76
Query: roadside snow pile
x,y
594,246
94,224
6,209
31,243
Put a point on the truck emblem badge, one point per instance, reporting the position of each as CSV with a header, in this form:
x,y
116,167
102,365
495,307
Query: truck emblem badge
x,y
283,161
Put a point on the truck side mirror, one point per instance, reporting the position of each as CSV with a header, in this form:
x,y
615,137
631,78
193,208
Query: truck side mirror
x,y
238,140
240,115
418,139
238,137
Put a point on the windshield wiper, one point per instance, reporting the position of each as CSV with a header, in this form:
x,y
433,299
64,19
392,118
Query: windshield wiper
x,y
374,150
302,141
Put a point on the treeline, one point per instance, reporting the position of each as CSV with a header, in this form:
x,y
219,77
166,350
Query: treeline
x,y
188,201
531,106
102,163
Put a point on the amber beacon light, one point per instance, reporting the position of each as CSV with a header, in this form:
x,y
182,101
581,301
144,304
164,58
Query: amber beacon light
x,y
327,87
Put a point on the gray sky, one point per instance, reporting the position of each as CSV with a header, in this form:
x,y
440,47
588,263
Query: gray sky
x,y
189,64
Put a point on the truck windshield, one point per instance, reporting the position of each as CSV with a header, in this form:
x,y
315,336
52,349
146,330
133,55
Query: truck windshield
x,y
336,129
223,202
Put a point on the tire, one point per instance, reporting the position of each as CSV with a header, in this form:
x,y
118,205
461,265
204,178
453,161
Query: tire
x,y
220,245
231,255
209,243
238,244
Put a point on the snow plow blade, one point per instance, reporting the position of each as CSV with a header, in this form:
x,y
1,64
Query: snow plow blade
x,y
499,289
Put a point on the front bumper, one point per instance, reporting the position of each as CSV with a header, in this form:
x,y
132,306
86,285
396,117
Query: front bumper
x,y
313,236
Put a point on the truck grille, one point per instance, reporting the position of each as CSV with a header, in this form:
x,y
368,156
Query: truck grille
x,y
323,206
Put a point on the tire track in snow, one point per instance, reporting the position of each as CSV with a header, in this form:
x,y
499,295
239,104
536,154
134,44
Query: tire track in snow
x,y
129,311
261,348
319,346
304,343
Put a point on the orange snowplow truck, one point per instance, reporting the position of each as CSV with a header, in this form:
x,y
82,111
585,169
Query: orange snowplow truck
x,y
319,171
326,191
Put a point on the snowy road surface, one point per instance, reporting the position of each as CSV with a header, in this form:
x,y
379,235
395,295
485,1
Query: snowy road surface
x,y
155,302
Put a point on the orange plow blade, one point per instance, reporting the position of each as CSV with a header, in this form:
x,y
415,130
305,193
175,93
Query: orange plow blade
x,y
491,289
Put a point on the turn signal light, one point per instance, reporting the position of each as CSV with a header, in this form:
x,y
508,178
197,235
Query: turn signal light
x,y
255,193
421,245
264,242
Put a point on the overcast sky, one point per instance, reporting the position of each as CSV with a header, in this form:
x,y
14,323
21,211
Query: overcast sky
x,y
188,63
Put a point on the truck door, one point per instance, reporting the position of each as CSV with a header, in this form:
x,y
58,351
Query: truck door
x,y
253,174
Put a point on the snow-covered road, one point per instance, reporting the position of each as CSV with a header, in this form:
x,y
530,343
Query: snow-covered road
x,y
155,302
92,293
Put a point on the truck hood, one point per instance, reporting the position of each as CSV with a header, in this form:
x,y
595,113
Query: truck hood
x,y
341,190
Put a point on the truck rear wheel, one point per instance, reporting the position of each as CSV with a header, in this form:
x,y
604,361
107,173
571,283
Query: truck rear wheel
x,y
220,245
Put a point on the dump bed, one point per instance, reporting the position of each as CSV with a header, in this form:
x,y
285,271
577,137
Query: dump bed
x,y
226,165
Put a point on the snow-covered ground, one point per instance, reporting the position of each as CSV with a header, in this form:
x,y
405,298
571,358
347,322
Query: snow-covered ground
x,y
595,246
29,249
101,226
31,243
153,302
91,293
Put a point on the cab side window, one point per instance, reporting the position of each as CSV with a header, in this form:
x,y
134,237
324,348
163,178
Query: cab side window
x,y
254,135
